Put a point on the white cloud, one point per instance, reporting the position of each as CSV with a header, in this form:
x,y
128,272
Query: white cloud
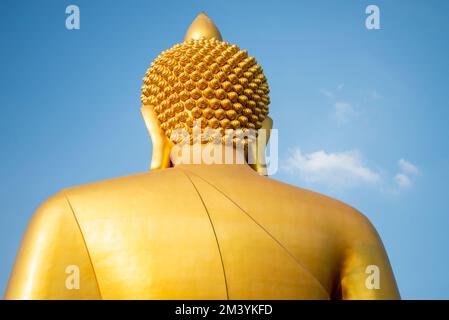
x,y
406,170
332,94
333,170
402,180
407,167
328,94
374,95
341,170
343,111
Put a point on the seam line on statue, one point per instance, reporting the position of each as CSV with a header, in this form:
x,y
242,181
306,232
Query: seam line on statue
x,y
266,231
84,241
213,229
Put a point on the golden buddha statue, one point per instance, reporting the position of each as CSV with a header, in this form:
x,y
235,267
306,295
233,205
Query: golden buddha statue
x,y
200,231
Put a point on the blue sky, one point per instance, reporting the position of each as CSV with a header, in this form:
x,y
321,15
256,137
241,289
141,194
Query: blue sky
x,y
362,114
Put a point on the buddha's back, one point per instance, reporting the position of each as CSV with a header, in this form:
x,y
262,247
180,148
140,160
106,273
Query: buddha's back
x,y
201,231
198,232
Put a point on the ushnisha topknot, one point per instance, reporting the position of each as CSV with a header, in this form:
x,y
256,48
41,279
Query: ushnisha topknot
x,y
208,80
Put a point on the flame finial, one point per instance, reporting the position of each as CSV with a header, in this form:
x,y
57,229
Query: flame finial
x,y
202,27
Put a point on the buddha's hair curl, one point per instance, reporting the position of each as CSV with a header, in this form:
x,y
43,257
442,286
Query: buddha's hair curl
x,y
207,80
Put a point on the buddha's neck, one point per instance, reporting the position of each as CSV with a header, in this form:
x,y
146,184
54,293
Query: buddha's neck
x,y
207,154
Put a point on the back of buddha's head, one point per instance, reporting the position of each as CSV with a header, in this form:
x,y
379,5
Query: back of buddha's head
x,y
207,82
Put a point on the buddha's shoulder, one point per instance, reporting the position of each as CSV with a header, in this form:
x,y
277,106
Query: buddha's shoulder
x,y
124,189
148,192
172,187
314,203
154,181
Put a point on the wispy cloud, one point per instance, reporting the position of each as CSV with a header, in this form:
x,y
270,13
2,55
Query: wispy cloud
x,y
373,95
406,171
402,180
338,171
407,167
333,94
328,94
343,110
333,170
341,170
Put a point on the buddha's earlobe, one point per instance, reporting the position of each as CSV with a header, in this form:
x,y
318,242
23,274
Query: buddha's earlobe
x,y
160,158
267,125
258,149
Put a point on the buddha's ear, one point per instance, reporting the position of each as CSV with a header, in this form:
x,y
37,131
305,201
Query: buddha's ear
x,y
160,158
267,124
258,149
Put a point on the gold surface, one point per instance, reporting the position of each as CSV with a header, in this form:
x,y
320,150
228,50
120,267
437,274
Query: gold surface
x,y
208,80
197,231
202,27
